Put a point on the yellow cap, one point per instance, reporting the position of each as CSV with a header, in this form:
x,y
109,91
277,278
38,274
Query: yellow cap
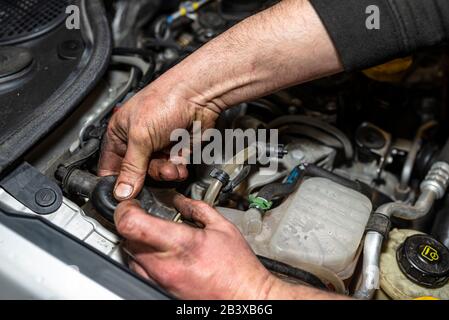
x,y
426,298
392,71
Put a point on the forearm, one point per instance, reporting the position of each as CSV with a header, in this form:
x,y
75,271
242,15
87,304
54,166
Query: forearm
x,y
277,48
281,290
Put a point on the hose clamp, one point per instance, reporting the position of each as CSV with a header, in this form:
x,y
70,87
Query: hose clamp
x,y
379,223
220,175
259,203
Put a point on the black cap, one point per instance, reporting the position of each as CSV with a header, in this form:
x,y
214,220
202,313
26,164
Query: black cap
x,y
424,260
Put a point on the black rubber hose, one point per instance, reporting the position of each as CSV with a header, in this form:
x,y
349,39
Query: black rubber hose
x,y
77,182
440,229
276,190
100,192
158,44
289,271
315,171
83,154
104,202
103,199
148,77
323,126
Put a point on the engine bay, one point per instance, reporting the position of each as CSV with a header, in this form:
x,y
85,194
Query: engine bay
x,y
357,204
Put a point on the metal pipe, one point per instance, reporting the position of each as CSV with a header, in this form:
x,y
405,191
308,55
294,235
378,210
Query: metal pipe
x,y
433,188
411,157
409,212
370,272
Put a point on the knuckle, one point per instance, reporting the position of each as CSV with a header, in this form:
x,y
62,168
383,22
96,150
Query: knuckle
x,y
127,224
201,206
130,168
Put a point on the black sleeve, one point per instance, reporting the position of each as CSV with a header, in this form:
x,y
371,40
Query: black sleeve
x,y
405,26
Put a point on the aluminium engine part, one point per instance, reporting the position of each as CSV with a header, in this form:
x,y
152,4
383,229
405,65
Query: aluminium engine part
x,y
299,151
73,220
368,173
307,151
129,17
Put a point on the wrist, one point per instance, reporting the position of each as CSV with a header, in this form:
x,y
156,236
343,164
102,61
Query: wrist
x,y
277,289
270,288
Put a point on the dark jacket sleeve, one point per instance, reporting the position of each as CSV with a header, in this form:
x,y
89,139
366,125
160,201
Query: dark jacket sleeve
x,y
404,27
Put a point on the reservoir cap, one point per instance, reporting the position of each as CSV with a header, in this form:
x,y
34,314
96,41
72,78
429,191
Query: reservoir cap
x,y
424,260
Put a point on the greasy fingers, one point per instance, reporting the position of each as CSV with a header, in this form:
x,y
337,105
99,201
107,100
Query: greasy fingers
x,y
113,150
165,170
134,167
198,211
135,225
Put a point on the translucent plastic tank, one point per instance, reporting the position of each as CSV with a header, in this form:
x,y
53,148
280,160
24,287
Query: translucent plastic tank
x,y
322,224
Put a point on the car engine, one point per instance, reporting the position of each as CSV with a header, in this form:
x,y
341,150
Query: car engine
x,y
357,204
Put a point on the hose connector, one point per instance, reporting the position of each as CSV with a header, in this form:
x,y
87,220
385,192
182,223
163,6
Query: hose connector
x,y
437,180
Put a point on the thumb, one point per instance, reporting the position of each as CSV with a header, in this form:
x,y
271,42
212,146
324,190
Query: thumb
x,y
133,170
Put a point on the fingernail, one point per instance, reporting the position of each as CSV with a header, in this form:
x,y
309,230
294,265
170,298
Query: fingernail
x,y
123,190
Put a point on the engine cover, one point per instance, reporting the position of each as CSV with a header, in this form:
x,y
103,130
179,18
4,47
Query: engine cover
x,y
46,69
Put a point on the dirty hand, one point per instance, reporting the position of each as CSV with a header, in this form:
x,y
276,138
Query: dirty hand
x,y
210,263
139,129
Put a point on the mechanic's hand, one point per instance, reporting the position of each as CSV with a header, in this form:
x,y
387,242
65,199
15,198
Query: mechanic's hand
x,y
140,128
214,263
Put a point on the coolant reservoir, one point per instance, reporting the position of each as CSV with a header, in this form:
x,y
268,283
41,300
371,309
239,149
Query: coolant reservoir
x,y
321,224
